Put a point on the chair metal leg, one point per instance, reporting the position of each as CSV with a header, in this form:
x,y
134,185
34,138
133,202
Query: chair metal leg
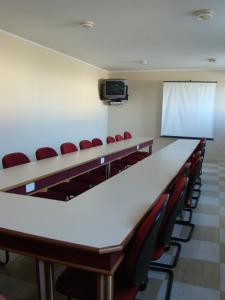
x,y
169,280
195,198
175,260
4,262
189,210
189,236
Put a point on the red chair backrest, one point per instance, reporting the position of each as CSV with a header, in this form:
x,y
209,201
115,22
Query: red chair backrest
x,y
184,171
68,148
14,159
174,206
195,170
195,157
85,144
127,135
110,139
96,142
136,262
118,137
45,152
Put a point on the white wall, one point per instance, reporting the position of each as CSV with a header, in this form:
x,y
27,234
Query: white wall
x,y
142,113
46,98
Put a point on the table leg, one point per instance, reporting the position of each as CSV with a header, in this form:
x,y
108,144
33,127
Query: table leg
x,y
108,166
150,149
109,287
105,287
100,289
45,276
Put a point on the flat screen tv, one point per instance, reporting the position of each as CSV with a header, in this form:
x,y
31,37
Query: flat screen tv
x,y
114,89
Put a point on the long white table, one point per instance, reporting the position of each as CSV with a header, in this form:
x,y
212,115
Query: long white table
x,y
91,230
53,170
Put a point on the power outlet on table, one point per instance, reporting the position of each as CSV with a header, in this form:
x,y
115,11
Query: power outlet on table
x,y
30,187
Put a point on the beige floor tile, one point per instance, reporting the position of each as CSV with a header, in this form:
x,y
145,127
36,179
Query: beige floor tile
x,y
196,272
209,193
207,209
204,233
222,221
23,268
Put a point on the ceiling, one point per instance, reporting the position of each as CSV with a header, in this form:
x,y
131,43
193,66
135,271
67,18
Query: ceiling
x,y
163,32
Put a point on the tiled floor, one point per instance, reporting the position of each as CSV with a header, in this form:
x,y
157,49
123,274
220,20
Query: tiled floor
x,y
200,273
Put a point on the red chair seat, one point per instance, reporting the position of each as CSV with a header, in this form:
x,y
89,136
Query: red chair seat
x,y
158,252
51,195
129,161
90,178
70,188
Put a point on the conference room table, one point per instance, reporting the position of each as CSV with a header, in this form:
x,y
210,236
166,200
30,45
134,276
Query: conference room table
x,y
92,230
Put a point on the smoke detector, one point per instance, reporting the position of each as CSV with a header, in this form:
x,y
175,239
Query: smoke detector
x,y
204,14
87,25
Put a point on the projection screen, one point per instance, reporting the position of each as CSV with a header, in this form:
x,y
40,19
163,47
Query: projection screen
x,y
188,109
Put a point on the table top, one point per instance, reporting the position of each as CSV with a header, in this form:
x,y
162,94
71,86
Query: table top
x,y
104,216
18,175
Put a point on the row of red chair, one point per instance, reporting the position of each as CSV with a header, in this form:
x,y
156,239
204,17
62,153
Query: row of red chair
x,y
79,184
152,239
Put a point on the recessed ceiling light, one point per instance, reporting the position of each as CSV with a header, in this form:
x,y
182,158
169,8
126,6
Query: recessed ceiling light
x,y
204,14
143,62
87,25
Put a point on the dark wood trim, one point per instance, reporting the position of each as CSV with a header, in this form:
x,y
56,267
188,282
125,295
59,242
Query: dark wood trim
x,y
185,137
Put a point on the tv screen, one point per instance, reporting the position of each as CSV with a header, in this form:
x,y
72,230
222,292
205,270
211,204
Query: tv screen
x,y
114,89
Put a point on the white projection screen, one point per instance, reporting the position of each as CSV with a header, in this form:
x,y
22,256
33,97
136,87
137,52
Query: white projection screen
x,y
188,109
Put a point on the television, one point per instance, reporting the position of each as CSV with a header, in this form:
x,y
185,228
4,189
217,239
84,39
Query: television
x,y
114,89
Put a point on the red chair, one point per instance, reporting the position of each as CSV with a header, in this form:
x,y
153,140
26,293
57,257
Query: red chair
x,y
14,159
127,135
110,139
124,163
96,142
99,173
115,167
85,144
164,239
93,177
19,158
51,195
68,148
132,272
188,201
141,154
87,177
118,137
69,188
129,160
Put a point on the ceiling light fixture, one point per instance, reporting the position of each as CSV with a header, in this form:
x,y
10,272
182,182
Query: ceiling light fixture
x,y
212,60
87,25
143,62
204,14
